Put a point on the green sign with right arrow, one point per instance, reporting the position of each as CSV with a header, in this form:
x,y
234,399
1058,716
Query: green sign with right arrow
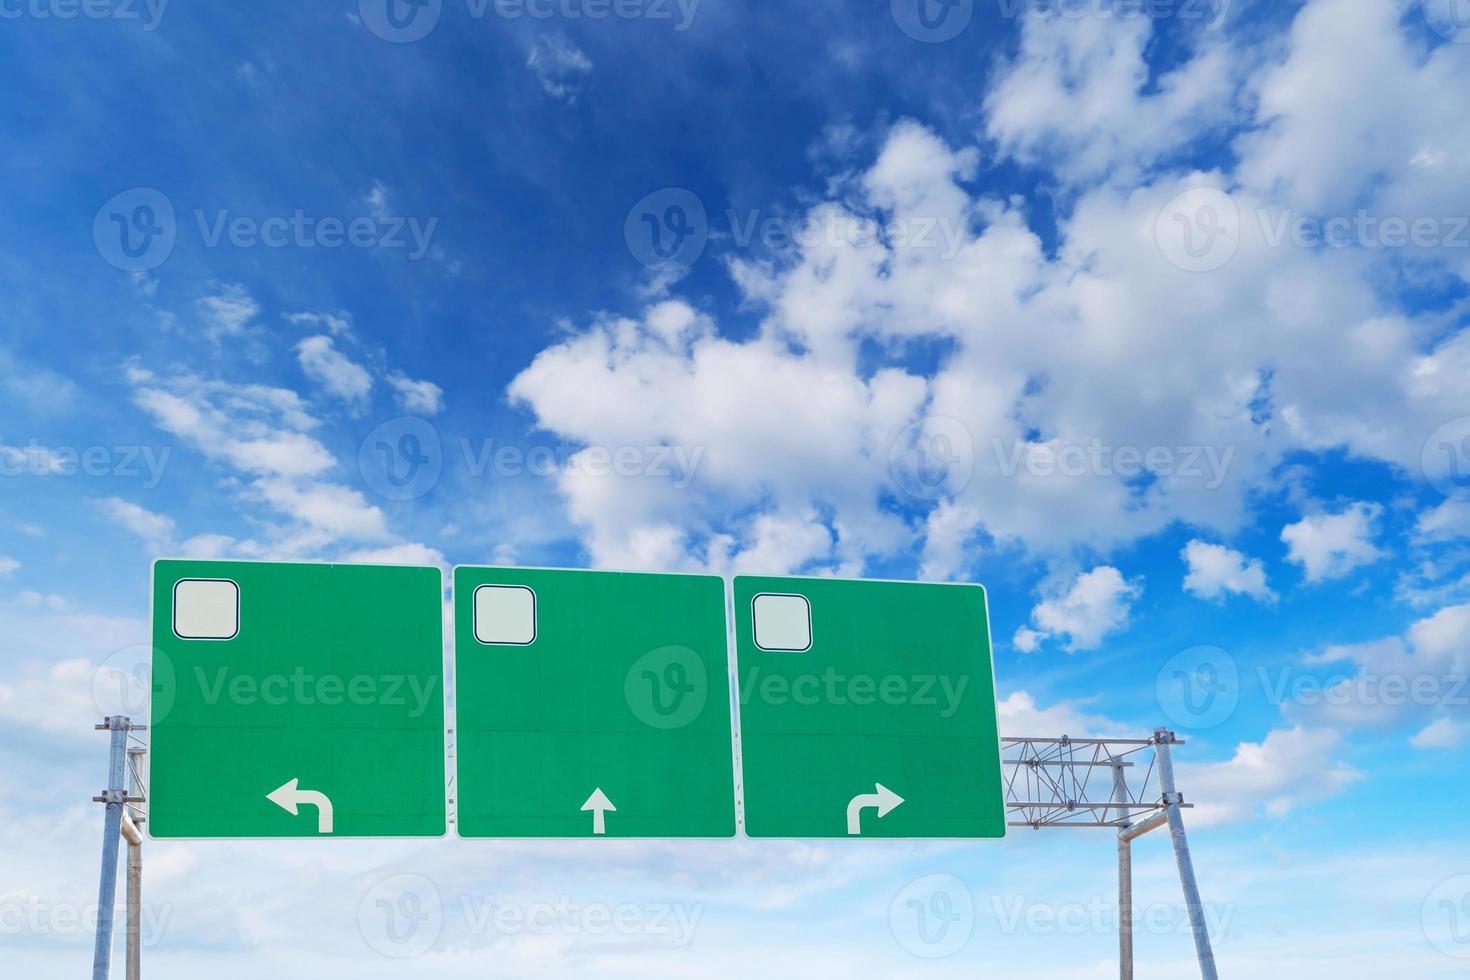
x,y
867,709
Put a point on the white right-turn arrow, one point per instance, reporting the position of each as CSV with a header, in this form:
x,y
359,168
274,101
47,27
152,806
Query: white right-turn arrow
x,y
599,804
884,801
289,798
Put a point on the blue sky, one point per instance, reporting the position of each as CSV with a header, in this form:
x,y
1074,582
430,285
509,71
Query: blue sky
x,y
1019,252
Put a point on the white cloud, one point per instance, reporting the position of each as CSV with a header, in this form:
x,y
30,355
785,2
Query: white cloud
x,y
1274,353
1021,717
1215,570
1420,678
1355,115
156,530
398,554
1074,96
1330,546
1450,519
1442,733
558,65
416,397
227,312
337,324
8,565
1289,769
1095,604
264,434
336,373
377,201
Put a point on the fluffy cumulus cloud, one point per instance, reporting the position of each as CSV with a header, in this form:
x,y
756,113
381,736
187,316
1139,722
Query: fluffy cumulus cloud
x,y
1083,611
416,397
1420,679
1288,769
336,373
263,437
1216,571
1156,367
1329,546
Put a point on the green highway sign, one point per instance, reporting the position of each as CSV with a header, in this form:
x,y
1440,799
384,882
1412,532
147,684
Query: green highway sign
x,y
867,709
591,704
296,700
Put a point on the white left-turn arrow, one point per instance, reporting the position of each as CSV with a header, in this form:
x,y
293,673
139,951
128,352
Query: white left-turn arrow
x,y
599,804
289,798
884,801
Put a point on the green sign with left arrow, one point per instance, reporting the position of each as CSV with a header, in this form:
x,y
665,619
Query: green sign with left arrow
x,y
296,700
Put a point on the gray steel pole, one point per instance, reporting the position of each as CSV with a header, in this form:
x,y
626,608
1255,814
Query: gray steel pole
x,y
1162,740
1125,880
134,836
114,796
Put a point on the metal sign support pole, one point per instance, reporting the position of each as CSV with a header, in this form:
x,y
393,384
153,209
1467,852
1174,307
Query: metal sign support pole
x,y
131,830
1172,800
1125,879
114,796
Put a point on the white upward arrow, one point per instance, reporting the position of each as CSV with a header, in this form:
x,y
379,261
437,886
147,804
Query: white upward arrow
x,y
288,798
884,800
599,804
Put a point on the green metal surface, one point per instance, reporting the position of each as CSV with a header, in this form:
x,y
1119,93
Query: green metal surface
x,y
624,689
335,679
895,694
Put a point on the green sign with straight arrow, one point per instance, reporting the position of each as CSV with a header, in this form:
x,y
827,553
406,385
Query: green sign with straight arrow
x,y
867,709
296,700
591,704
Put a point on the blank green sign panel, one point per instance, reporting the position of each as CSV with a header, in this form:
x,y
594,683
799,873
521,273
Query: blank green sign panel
x,y
591,704
297,700
866,709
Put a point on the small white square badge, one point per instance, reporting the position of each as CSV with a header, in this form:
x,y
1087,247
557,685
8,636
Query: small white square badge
x,y
783,623
505,615
206,609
